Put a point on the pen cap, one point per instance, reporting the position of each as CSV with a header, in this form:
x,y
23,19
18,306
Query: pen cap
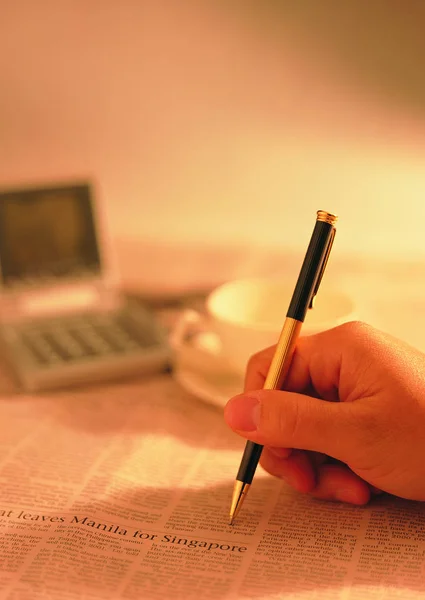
x,y
326,217
313,266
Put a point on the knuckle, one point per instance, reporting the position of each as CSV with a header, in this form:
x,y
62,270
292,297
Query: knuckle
x,y
357,336
356,329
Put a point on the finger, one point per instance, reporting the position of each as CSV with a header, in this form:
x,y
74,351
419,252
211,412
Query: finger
x,y
296,470
317,458
325,482
280,452
325,364
309,358
257,368
339,483
289,420
274,460
298,378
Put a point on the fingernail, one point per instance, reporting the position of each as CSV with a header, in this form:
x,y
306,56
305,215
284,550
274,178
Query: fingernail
x,y
243,413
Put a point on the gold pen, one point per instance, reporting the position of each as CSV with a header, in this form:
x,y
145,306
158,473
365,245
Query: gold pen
x,y
303,297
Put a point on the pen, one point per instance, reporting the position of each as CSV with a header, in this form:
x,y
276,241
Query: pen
x,y
303,298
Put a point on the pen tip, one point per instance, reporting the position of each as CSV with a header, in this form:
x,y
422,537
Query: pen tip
x,y
231,521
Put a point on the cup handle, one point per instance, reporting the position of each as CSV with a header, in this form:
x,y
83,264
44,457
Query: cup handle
x,y
190,324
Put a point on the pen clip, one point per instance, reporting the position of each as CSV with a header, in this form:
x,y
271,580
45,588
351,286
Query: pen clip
x,y
323,267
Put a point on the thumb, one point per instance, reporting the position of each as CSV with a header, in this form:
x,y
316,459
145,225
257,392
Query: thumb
x,y
290,420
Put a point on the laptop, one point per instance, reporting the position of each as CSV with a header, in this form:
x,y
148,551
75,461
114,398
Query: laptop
x,y
63,318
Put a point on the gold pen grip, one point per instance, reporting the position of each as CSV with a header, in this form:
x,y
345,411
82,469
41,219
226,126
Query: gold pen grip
x,y
283,355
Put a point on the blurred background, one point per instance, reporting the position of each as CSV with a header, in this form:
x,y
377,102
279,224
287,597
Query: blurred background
x,y
214,130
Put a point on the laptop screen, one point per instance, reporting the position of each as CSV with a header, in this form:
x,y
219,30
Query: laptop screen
x,y
47,234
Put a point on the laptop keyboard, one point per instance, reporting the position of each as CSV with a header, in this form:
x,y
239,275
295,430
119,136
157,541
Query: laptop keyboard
x,y
78,338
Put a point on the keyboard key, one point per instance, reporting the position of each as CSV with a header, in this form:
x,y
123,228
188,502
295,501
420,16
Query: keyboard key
x,y
82,337
40,350
68,344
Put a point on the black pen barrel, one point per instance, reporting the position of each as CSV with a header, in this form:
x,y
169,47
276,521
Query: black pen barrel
x,y
249,462
307,279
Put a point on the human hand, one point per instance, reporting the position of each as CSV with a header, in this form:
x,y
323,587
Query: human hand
x,y
365,435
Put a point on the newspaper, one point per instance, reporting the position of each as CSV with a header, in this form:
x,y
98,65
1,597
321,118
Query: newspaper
x,y
124,492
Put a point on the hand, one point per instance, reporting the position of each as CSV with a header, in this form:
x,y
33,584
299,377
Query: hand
x,y
351,421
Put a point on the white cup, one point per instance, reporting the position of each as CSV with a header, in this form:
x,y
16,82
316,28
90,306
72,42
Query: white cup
x,y
247,315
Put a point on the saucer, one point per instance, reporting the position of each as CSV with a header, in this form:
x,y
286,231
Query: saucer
x,y
203,372
217,392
